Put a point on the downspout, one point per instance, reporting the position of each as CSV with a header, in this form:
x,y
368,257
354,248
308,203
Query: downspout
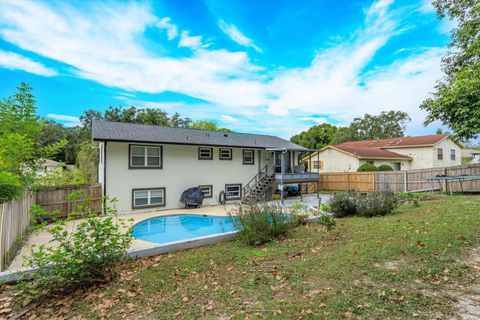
x,y
105,176
282,172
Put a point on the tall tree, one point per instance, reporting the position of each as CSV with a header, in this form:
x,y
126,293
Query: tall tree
x,y
456,99
388,124
21,147
315,137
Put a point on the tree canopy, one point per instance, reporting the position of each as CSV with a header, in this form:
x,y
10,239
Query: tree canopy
x,y
388,124
456,99
315,137
155,116
21,144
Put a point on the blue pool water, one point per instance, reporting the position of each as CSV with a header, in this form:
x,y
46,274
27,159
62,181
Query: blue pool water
x,y
165,229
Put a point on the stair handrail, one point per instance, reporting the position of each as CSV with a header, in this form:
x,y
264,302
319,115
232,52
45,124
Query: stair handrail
x,y
258,177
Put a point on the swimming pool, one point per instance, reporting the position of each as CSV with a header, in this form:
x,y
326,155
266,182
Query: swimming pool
x,y
165,229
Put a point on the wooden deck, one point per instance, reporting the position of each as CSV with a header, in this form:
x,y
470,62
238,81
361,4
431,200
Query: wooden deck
x,y
297,177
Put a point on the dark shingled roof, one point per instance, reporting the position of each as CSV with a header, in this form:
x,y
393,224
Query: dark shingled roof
x,y
127,132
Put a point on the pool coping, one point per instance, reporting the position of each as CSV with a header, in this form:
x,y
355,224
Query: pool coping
x,y
12,276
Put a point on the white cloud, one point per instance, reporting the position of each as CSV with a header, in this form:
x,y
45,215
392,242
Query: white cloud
x,y
227,118
189,41
237,36
318,120
68,121
104,45
14,61
172,30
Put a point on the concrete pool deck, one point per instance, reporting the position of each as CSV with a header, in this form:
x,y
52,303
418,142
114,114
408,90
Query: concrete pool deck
x,y
43,237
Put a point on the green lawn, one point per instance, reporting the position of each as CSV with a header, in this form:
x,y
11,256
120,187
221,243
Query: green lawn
x,y
401,266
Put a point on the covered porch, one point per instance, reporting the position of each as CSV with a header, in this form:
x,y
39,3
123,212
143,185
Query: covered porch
x,y
289,170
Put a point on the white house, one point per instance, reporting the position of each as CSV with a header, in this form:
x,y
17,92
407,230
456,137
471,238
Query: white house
x,y
405,153
148,167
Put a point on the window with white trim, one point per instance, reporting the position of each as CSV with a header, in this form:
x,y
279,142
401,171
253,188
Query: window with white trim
x,y
145,156
207,191
397,166
452,154
225,154
205,153
149,197
248,156
440,154
233,191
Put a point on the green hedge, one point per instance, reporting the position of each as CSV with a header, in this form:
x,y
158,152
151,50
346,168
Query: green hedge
x,y
385,167
367,167
10,187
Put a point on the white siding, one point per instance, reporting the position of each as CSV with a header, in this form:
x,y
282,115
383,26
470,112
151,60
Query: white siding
x,y
335,161
422,156
426,157
181,170
447,145
101,164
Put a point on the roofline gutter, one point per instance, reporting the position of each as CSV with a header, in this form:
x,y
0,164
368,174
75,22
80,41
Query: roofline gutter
x,y
383,158
197,144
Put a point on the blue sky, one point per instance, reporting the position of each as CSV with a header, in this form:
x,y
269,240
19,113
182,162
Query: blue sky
x,y
274,67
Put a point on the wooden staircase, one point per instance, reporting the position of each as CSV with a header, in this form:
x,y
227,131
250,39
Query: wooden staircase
x,y
259,184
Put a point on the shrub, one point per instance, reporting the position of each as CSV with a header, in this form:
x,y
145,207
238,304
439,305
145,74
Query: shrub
x,y
366,205
367,167
10,187
325,207
328,222
261,222
385,167
344,204
80,258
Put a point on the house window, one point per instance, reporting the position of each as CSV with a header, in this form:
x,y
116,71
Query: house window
x,y
205,153
318,164
233,191
225,154
452,154
370,162
397,166
145,156
207,191
248,156
440,154
148,198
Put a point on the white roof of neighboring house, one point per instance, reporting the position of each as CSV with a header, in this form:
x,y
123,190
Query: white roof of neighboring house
x,y
49,163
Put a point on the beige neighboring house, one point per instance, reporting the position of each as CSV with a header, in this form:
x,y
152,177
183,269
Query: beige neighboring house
x,y
471,156
405,153
147,167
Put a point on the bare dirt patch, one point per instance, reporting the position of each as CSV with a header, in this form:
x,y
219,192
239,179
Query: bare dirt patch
x,y
468,300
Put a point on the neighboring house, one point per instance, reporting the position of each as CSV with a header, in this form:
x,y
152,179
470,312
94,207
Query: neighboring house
x,y
471,156
406,153
148,167
48,166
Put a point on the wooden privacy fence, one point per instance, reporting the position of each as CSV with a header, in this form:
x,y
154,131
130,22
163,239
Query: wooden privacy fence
x,y
358,181
15,217
57,198
398,181
14,220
